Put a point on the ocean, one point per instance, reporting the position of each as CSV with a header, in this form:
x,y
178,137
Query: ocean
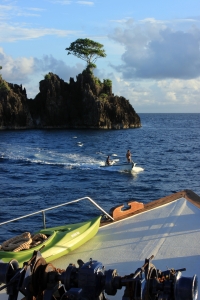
x,y
44,168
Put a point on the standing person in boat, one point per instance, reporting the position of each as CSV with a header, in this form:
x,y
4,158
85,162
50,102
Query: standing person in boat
x,y
108,161
128,156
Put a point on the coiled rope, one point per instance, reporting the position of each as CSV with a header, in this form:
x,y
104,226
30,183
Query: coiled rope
x,y
23,241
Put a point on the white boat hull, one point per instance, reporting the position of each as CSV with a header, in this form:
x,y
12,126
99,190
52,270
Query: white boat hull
x,y
121,166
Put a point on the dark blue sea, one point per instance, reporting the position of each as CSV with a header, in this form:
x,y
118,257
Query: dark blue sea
x,y
43,168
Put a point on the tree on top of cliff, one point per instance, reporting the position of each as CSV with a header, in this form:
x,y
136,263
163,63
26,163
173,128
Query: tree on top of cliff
x,y
87,50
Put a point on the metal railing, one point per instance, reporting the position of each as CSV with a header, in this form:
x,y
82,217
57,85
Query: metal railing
x,y
57,206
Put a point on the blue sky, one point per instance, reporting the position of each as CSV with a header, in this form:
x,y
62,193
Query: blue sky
x,y
152,47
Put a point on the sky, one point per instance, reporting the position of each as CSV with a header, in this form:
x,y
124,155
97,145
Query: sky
x,y
152,47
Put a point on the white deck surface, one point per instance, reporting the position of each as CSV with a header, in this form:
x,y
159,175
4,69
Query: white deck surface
x,y
170,232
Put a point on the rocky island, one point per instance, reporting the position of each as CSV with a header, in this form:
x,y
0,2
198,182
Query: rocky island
x,y
84,103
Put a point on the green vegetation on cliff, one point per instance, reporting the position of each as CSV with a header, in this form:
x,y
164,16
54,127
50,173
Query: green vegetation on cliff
x,y
4,87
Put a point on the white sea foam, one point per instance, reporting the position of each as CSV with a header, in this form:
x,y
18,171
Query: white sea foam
x,y
115,160
137,169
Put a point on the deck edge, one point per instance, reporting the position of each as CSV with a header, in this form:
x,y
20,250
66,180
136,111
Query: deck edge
x,y
189,195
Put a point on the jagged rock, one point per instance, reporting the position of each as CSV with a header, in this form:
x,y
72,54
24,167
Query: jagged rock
x,y
14,110
84,103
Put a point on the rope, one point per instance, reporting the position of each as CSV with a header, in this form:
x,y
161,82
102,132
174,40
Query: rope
x,y
38,239
23,242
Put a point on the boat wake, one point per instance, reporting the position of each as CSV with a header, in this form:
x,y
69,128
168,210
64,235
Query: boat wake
x,y
69,161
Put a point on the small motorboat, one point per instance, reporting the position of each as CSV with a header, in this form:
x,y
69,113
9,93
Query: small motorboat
x,y
125,166
60,241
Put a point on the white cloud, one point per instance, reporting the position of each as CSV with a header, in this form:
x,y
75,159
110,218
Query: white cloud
x,y
48,63
62,2
16,69
29,71
122,21
182,91
10,11
35,9
155,51
152,21
85,3
5,11
12,33
170,95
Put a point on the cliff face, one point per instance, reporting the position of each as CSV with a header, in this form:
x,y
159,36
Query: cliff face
x,y
84,103
14,110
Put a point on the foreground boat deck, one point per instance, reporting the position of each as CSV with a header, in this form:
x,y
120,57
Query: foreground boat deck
x,y
168,228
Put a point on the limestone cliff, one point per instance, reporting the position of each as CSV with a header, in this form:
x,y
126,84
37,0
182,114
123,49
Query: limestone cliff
x,y
84,103
14,109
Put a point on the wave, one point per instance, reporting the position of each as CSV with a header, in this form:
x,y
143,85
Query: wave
x,y
48,157
69,161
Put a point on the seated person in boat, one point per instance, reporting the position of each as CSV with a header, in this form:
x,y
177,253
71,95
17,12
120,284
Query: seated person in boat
x,y
108,161
128,156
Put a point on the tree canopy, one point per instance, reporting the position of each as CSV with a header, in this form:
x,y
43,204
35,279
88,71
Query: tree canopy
x,y
86,50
